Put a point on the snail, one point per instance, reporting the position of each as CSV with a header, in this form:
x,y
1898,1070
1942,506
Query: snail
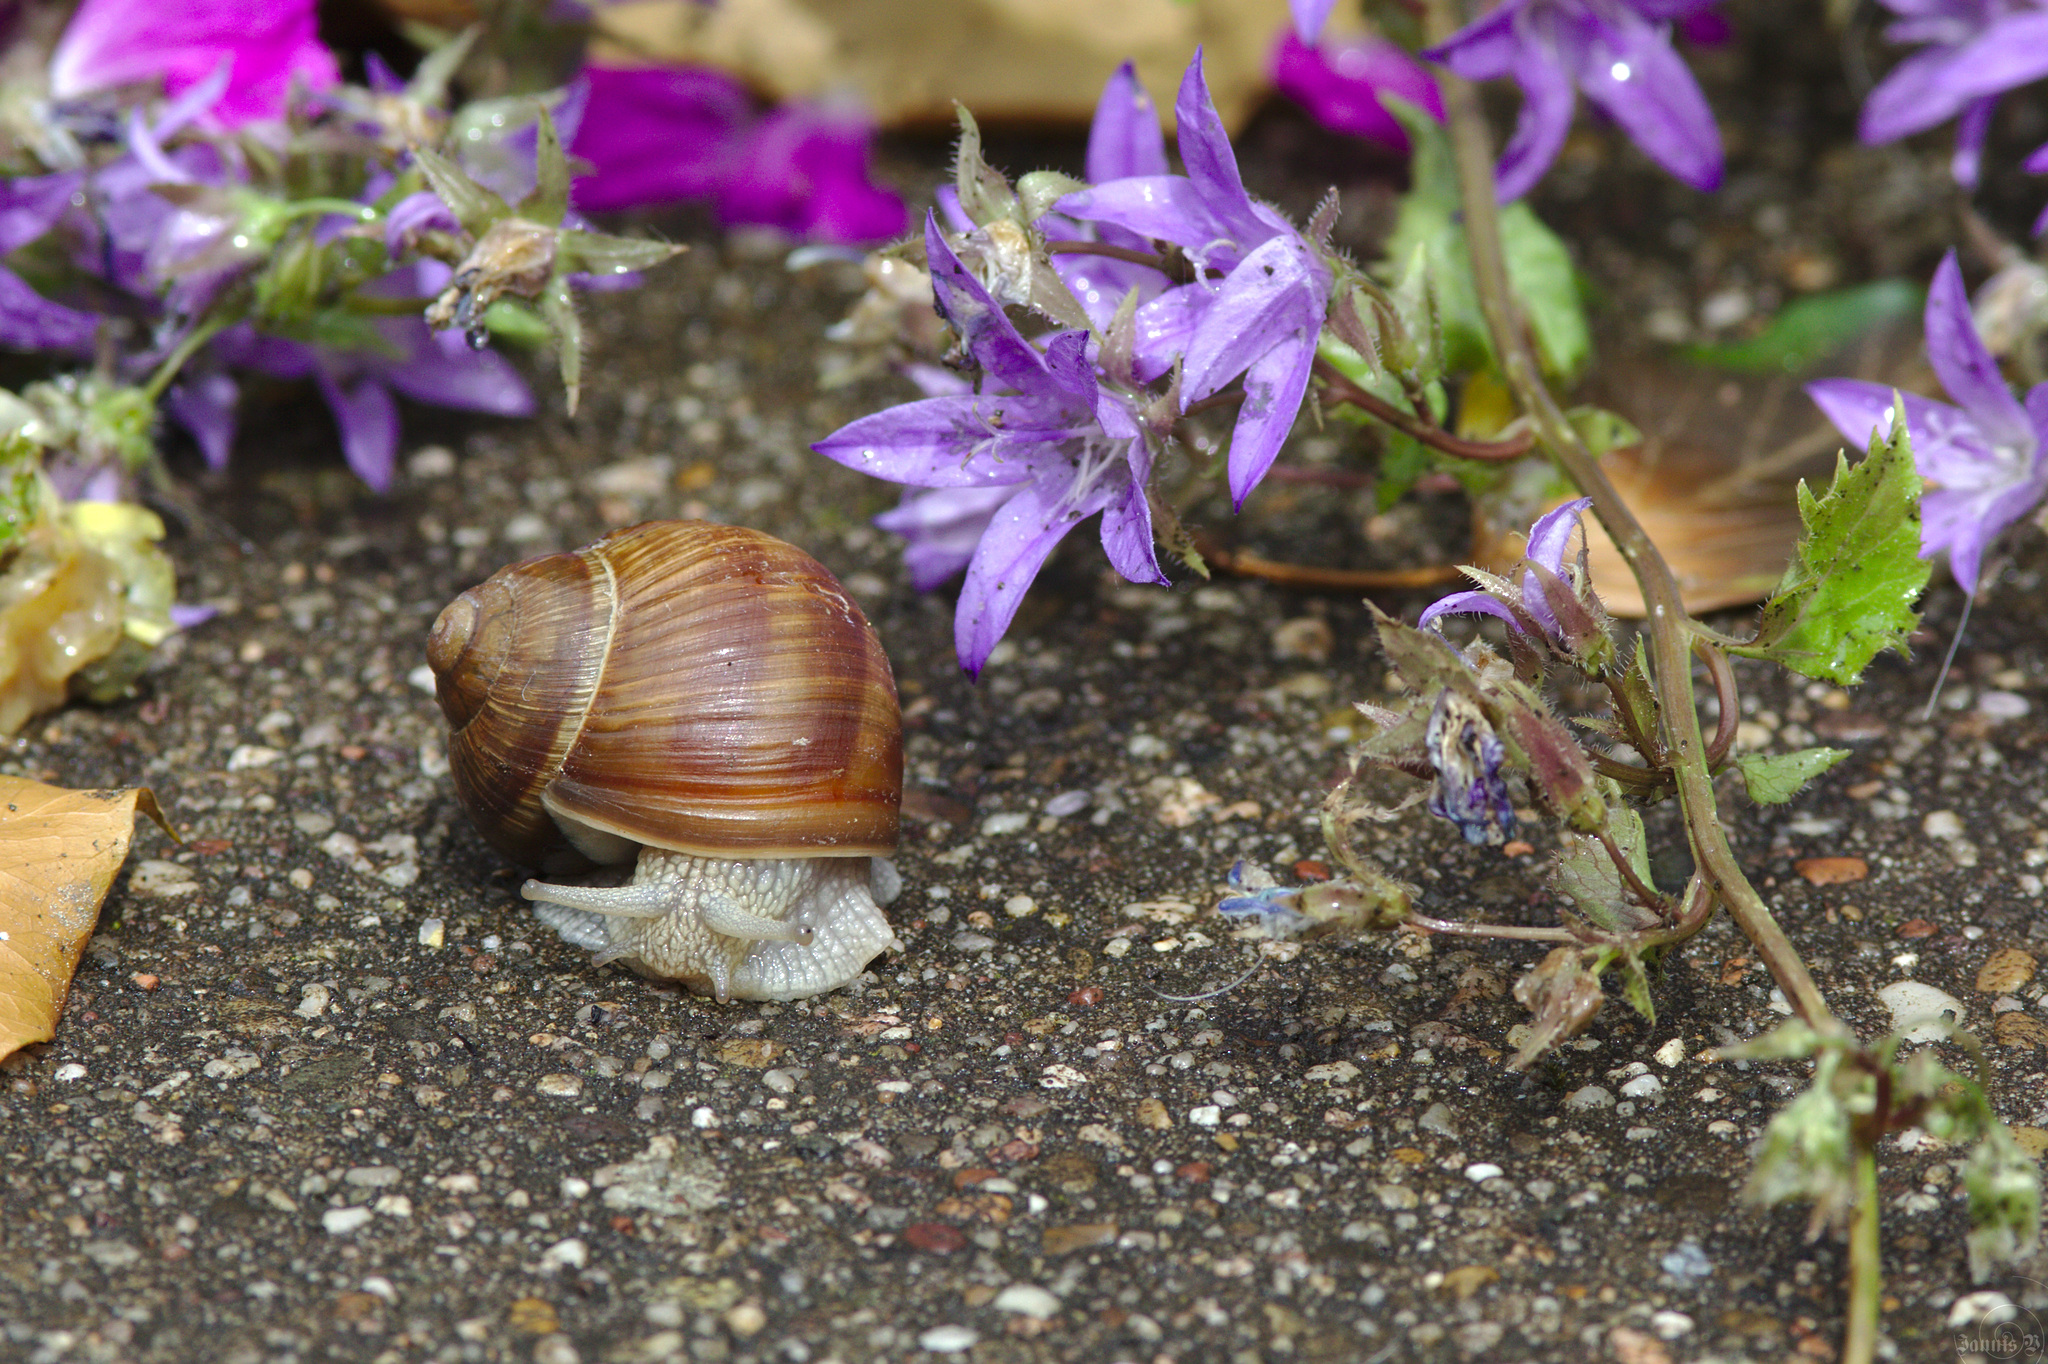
x,y
706,702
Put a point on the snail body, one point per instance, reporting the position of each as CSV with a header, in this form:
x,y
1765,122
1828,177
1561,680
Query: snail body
x,y
705,702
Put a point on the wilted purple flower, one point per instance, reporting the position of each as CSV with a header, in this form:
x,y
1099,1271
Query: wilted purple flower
x,y
268,44
660,134
29,207
1064,446
1466,756
427,366
1975,51
1341,80
1988,457
1549,586
1619,53
1260,320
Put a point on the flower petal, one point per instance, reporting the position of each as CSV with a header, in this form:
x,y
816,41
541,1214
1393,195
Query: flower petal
x,y
985,330
271,42
440,368
1965,368
368,418
1273,389
1484,49
1019,538
1211,162
940,528
656,135
962,442
1552,533
1127,523
1540,127
204,405
805,169
28,321
31,205
1468,603
1630,71
1947,446
1309,17
1924,89
1125,137
1273,294
1340,84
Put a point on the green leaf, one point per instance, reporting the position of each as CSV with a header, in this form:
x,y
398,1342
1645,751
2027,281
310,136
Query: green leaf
x,y
549,199
1587,876
600,254
1774,779
512,320
985,195
1850,588
1539,267
429,83
475,207
560,310
1602,430
1635,983
2004,1189
1808,329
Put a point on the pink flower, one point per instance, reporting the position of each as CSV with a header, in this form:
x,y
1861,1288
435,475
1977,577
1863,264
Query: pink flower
x,y
269,43
1341,80
661,134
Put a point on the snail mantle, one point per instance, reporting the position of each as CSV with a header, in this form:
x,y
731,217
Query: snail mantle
x,y
707,703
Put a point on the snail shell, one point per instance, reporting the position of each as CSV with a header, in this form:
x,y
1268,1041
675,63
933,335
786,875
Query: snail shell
x,y
707,700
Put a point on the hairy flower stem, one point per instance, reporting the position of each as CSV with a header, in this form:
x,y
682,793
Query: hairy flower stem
x,y
1866,1273
187,346
1671,634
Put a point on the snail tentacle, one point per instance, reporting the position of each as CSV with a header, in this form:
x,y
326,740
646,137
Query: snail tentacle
x,y
721,914
639,900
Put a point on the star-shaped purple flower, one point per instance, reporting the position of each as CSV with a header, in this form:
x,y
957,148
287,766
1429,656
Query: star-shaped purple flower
x,y
1987,457
1975,51
1044,425
1259,320
1124,139
1619,53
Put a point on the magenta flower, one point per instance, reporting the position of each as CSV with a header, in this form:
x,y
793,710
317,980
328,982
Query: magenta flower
x,y
1975,51
1259,321
663,134
1046,429
1987,457
1619,53
1340,83
267,44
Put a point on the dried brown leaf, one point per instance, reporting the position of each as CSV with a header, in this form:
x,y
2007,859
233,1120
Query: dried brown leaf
x,y
59,852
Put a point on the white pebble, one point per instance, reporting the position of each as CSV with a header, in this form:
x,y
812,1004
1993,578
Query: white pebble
x,y
567,1254
949,1340
1591,1096
561,1086
1942,824
71,1070
1922,1005
313,1001
1670,1325
1642,1087
1027,1300
342,1221
1208,1115
995,826
1671,1053
1068,803
2002,705
1482,1171
432,932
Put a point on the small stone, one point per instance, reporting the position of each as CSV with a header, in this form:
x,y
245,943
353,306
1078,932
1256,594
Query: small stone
x,y
372,1176
746,1320
342,1221
532,1316
1027,1300
561,1086
1942,824
565,1254
1832,871
1630,1346
1208,1115
1589,1097
1077,1236
1153,1114
1482,1171
1466,1280
1670,1325
1437,1118
1671,1053
1020,906
555,1349
1918,928
2005,971
995,826
432,933
313,1001
934,1238
1642,1087
1922,1005
948,1340
1396,1197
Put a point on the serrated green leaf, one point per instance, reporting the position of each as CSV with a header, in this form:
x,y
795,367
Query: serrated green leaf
x,y
1808,329
549,198
1635,983
1775,778
1587,876
429,83
1849,590
1539,267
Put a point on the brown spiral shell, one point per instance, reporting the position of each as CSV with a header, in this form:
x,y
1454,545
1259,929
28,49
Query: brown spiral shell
x,y
703,688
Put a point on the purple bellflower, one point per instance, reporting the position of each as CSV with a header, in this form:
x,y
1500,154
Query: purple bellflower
x,y
1975,51
1259,320
1124,139
1340,82
1533,606
427,366
661,134
1619,53
1987,457
1044,427
268,46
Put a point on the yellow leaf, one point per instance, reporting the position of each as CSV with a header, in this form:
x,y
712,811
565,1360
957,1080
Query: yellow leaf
x,y
59,851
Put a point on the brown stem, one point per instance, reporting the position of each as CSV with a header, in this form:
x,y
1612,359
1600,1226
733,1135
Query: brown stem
x,y
1646,895
1670,633
1248,565
1131,254
1321,478
1724,689
1223,399
1343,390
